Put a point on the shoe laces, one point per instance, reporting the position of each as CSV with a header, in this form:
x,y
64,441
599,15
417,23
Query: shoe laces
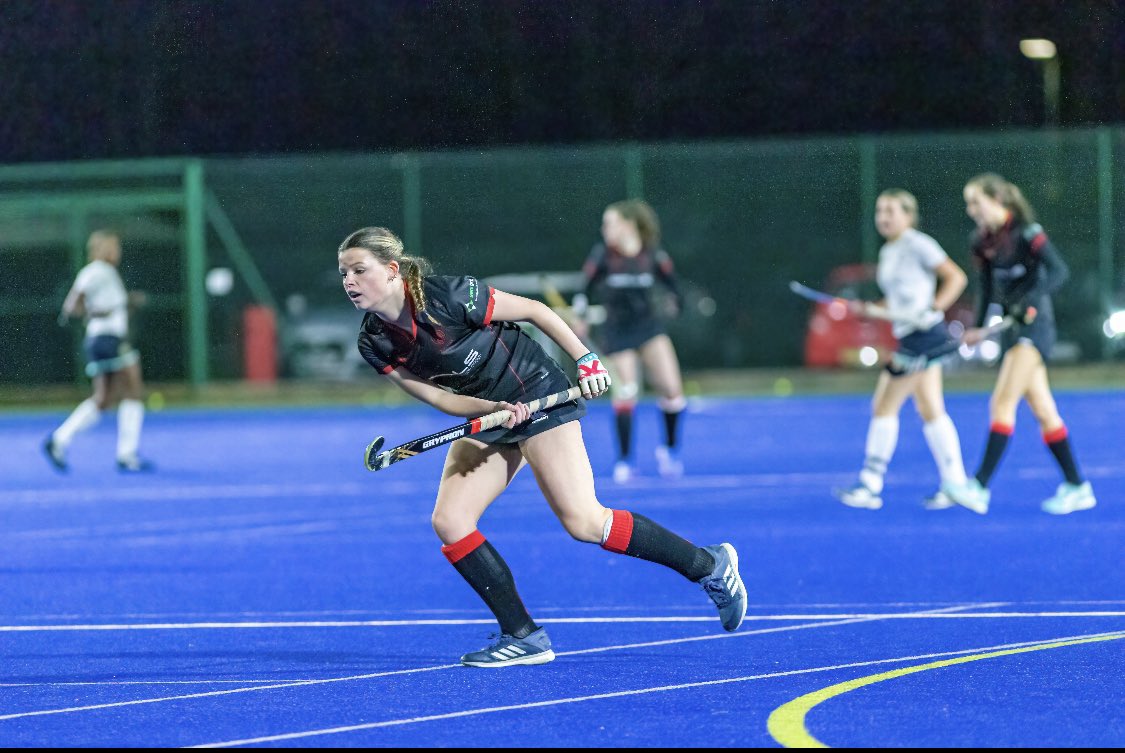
x,y
717,590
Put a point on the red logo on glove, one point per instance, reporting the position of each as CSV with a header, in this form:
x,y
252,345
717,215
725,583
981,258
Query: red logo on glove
x,y
593,369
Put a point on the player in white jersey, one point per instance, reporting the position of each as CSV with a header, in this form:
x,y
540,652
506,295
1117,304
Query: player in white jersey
x,y
919,282
98,295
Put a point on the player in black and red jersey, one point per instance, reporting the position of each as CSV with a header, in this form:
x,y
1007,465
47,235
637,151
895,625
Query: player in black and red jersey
x,y
621,274
453,343
1019,270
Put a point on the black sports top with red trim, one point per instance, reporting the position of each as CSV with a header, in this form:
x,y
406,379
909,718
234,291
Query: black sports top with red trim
x,y
455,345
623,284
1018,265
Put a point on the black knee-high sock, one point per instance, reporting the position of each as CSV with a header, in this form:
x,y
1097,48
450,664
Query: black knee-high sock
x,y
482,566
637,536
1059,445
998,438
623,416
671,424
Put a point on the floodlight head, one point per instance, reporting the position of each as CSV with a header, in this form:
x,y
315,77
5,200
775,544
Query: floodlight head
x,y
1038,49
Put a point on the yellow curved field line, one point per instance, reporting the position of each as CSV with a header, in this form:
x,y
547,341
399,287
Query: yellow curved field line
x,y
787,723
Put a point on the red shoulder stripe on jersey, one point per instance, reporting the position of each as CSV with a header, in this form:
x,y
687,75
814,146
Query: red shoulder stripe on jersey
x,y
1038,241
459,550
491,304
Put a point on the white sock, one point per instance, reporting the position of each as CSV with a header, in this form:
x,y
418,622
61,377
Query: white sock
x,y
882,438
945,445
80,419
130,416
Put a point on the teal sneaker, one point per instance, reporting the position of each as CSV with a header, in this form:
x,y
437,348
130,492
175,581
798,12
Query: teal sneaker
x,y
970,494
724,586
508,651
1070,498
859,495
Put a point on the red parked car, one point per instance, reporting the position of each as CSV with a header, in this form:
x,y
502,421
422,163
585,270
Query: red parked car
x,y
836,337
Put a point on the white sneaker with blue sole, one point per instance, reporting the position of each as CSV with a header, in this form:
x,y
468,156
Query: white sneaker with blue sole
x,y
509,651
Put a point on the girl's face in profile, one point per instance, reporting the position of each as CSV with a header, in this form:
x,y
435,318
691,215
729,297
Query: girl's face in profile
x,y
368,282
985,211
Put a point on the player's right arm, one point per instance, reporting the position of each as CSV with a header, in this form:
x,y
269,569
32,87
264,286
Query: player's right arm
x,y
464,406
74,305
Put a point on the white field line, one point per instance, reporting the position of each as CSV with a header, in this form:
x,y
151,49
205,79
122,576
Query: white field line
x,y
353,678
625,693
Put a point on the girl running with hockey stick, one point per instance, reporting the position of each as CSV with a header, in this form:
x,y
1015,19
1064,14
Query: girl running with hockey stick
x,y
621,273
453,343
112,364
911,265
1019,270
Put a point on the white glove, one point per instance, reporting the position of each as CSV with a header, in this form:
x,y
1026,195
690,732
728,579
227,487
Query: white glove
x,y
592,376
928,319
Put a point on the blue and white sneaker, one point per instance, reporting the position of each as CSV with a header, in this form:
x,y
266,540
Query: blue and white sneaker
x,y
534,649
1070,498
971,494
724,586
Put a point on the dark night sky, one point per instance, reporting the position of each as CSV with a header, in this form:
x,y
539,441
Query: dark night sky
x,y
133,78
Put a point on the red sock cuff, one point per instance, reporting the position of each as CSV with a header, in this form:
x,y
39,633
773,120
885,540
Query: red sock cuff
x,y
1055,435
623,406
999,428
459,550
620,532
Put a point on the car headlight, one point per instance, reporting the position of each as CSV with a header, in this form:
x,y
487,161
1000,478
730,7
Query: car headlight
x,y
1114,325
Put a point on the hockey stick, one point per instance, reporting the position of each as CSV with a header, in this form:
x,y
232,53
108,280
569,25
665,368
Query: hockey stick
x,y
869,310
377,461
954,345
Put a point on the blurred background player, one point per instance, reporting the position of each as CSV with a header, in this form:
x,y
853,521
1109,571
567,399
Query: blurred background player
x,y
453,343
919,282
621,272
1019,269
98,295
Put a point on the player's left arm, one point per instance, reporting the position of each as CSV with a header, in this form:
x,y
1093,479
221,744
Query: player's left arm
x,y
666,273
1053,271
592,376
952,282
508,307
